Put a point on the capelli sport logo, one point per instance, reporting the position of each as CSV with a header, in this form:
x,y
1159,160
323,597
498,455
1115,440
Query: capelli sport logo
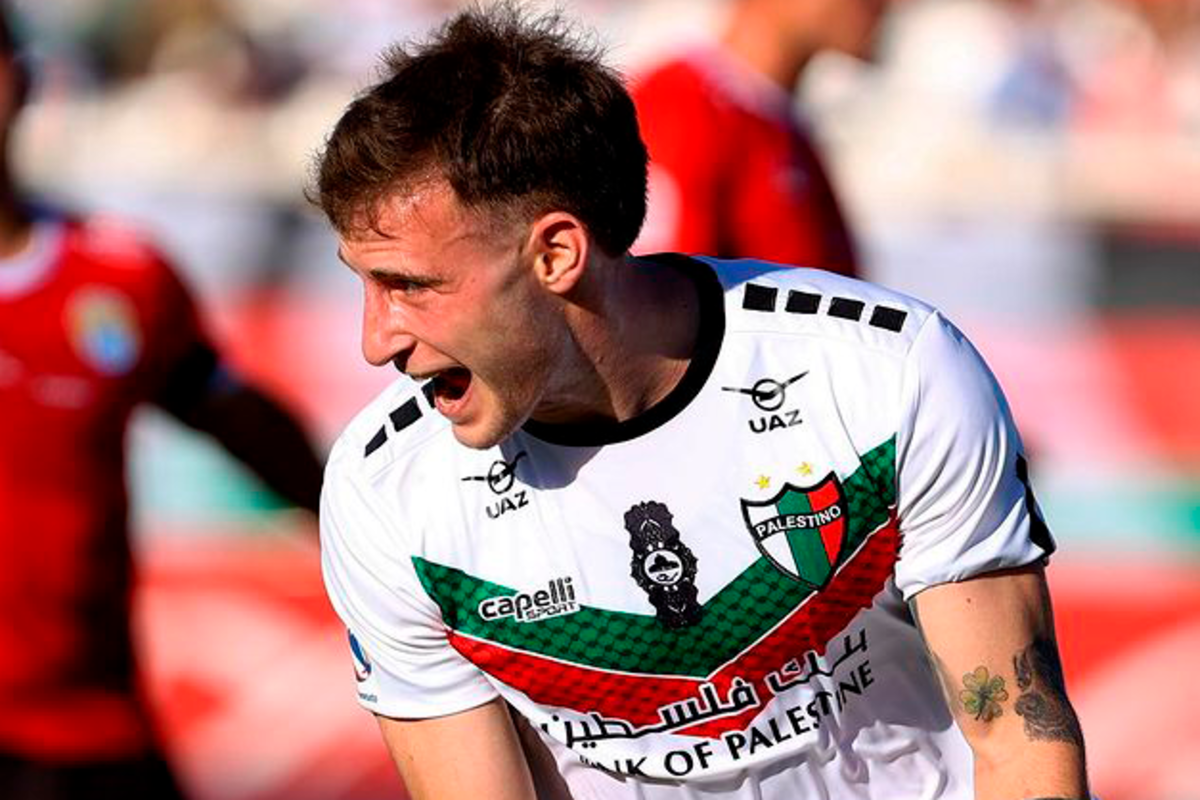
x,y
557,599
770,395
500,479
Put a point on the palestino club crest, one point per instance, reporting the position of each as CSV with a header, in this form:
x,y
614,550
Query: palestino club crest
x,y
801,531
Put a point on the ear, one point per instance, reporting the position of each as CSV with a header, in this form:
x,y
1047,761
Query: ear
x,y
560,246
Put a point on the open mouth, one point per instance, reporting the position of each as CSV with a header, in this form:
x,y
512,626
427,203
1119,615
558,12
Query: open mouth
x,y
450,386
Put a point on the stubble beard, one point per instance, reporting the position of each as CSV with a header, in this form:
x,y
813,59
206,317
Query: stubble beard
x,y
494,425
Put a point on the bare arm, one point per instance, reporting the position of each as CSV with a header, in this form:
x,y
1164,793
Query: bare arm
x,y
467,756
547,780
992,642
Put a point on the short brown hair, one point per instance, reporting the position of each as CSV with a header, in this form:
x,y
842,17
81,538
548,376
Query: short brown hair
x,y
515,113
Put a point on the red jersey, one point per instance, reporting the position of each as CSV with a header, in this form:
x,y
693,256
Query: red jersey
x,y
733,171
91,320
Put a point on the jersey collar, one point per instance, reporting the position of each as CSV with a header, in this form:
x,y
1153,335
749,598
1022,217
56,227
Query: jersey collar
x,y
708,347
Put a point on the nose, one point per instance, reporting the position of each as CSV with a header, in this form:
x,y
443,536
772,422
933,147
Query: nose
x,y
384,334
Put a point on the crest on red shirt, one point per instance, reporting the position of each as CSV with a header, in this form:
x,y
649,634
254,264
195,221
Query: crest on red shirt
x,y
102,326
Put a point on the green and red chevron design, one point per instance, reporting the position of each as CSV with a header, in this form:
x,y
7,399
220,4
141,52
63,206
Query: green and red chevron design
x,y
627,666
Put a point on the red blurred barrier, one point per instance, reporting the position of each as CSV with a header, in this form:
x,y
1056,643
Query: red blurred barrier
x,y
248,666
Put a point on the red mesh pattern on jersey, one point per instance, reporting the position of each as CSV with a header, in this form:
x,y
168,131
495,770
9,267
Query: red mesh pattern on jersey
x,y
637,698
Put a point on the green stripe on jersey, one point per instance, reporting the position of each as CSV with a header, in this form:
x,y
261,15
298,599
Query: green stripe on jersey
x,y
741,612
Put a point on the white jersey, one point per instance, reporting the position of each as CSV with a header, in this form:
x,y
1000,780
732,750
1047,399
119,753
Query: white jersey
x,y
709,599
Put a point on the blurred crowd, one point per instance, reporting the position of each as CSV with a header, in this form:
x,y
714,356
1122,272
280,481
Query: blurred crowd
x,y
1006,159
210,109
1089,109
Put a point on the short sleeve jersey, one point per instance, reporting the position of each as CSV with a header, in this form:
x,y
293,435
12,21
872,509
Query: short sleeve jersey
x,y
709,598
92,322
734,170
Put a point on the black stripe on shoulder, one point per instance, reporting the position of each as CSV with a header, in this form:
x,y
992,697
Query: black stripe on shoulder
x,y
802,302
891,319
759,298
376,441
404,415
846,308
427,390
408,413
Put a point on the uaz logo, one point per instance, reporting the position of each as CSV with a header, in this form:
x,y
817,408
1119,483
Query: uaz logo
x,y
500,478
769,395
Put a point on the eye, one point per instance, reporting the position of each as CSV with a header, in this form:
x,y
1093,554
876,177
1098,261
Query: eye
x,y
405,286
400,284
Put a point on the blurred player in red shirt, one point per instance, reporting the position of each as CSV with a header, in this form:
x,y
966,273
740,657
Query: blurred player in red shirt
x,y
93,322
734,169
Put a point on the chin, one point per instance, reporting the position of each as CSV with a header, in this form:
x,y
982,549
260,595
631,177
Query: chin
x,y
479,436
473,439
490,422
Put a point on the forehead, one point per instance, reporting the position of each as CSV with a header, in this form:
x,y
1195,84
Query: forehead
x,y
428,208
425,219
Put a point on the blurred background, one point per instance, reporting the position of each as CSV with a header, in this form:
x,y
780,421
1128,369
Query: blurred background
x,y
1032,167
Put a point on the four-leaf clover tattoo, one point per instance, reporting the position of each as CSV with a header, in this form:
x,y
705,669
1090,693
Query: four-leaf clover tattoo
x,y
983,695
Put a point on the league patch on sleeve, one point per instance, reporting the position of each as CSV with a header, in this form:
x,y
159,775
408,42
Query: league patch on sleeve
x,y
363,670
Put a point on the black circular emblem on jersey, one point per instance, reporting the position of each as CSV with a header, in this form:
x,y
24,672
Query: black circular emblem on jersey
x,y
767,394
663,565
501,475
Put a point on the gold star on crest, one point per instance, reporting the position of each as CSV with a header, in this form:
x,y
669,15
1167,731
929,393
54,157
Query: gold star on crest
x,y
763,481
805,469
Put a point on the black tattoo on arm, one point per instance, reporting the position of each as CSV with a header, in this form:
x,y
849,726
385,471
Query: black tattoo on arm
x,y
1042,701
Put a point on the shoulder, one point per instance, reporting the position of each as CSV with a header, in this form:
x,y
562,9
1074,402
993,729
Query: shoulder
x,y
393,430
673,85
115,243
673,72
390,477
108,251
765,297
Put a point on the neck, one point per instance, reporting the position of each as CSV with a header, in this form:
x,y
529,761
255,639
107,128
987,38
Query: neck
x,y
633,330
756,40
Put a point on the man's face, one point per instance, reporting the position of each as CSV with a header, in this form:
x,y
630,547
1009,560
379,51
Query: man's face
x,y
449,297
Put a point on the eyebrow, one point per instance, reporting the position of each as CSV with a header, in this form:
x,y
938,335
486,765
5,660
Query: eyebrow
x,y
384,276
376,273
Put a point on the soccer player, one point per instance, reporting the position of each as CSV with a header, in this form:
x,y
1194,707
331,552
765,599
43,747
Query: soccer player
x,y
709,528
93,322
735,170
